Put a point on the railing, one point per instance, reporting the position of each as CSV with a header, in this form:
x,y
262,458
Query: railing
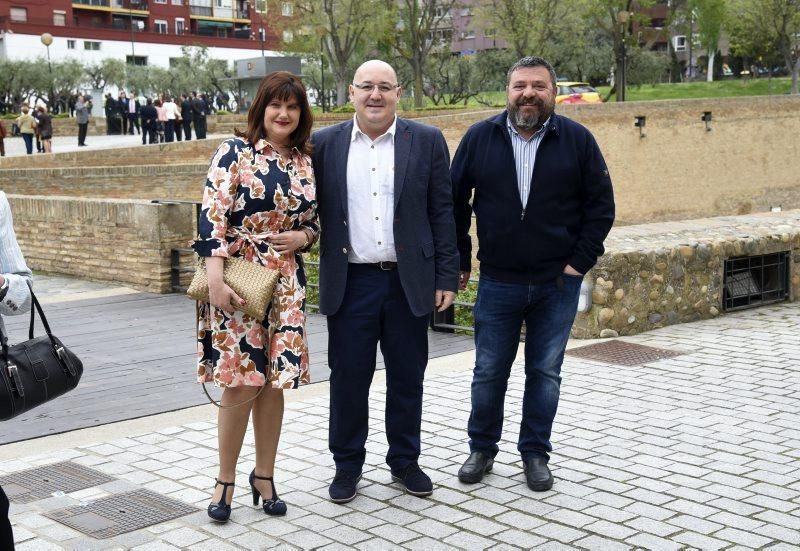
x,y
118,4
216,32
440,321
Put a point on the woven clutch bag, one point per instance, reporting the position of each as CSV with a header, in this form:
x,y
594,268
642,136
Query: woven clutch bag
x,y
251,281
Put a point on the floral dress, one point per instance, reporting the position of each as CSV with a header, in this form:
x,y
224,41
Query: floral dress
x,y
252,193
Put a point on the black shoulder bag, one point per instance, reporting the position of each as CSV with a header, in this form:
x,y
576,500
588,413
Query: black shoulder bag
x,y
35,371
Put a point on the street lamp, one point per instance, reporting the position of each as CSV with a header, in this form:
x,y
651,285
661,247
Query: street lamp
x,y
47,40
622,18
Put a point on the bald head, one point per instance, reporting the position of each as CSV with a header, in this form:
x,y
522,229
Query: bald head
x,y
374,66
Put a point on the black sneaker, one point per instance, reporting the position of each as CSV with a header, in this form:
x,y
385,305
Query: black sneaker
x,y
417,483
344,487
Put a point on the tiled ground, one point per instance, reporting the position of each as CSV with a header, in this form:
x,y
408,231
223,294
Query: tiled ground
x,y
698,451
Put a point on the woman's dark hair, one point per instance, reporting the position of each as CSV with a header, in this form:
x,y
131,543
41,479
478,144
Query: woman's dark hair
x,y
281,86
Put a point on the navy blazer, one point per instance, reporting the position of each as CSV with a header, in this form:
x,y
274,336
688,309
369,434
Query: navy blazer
x,y
424,227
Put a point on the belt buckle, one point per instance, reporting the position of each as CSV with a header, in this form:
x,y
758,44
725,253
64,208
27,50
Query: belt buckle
x,y
385,265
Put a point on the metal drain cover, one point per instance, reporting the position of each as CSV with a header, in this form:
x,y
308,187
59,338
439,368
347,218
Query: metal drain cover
x,y
41,482
622,353
118,514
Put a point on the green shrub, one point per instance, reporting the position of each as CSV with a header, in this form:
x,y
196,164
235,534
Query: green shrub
x,y
346,108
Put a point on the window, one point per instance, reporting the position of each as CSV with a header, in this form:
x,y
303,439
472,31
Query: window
x,y
20,15
91,45
180,25
679,43
177,2
160,1
70,44
59,18
136,60
288,36
160,26
287,9
261,6
466,35
489,33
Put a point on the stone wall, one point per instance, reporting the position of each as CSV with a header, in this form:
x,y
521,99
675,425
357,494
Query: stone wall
x,y
123,241
660,274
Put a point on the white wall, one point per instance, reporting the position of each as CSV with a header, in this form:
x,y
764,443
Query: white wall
x,y
29,47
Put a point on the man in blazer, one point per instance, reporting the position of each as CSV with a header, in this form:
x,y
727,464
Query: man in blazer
x,y
388,256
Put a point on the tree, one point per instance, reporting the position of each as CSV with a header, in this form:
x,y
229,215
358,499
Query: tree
x,y
342,28
759,27
67,77
413,36
108,71
535,26
615,19
710,15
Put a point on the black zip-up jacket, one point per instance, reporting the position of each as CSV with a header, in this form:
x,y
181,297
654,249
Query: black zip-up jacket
x,y
569,212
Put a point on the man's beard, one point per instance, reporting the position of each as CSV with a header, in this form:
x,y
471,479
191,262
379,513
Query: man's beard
x,y
529,121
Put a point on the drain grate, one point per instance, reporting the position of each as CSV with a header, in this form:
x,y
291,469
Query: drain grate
x,y
622,353
118,514
41,482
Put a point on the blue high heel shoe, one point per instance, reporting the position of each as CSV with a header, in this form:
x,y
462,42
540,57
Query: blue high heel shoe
x,y
273,506
221,512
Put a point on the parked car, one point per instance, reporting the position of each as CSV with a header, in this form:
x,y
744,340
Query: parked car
x,y
577,92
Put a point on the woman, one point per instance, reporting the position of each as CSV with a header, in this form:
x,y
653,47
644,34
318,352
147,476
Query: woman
x,y
15,298
161,120
2,138
27,126
45,129
259,203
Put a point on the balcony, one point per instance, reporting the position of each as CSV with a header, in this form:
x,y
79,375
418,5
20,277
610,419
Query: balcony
x,y
112,5
202,11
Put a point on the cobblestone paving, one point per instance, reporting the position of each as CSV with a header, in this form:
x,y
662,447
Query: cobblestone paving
x,y
698,451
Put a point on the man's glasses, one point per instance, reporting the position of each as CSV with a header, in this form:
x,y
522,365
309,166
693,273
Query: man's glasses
x,y
382,88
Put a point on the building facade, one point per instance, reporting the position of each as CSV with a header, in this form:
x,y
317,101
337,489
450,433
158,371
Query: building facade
x,y
141,32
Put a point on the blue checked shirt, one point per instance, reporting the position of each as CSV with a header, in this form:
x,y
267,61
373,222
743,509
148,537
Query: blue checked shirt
x,y
524,157
17,299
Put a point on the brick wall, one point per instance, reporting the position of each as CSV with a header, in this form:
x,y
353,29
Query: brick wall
x,y
123,241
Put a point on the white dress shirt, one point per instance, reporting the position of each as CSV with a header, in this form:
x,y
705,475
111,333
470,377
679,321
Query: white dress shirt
x,y
171,109
370,196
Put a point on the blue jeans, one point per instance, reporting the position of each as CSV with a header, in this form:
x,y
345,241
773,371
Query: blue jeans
x,y
548,311
28,139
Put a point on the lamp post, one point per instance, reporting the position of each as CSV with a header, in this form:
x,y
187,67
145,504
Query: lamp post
x,y
47,40
622,18
322,69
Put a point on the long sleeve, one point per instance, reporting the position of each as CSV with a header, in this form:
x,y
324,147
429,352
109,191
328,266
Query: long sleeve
x,y
17,299
219,196
440,212
463,184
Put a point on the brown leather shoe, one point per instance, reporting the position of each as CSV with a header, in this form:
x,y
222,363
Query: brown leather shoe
x,y
537,474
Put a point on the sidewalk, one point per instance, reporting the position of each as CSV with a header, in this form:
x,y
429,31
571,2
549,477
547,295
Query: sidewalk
x,y
697,451
16,147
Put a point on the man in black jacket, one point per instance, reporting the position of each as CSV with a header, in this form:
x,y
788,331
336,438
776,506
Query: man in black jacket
x,y
187,116
149,118
199,114
543,203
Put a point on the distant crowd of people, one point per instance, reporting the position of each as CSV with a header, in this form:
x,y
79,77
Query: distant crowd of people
x,y
32,125
160,119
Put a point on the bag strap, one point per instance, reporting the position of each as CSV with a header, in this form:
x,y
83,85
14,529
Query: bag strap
x,y
210,399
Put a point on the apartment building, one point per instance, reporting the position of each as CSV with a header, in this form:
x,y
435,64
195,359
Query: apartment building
x,y
142,32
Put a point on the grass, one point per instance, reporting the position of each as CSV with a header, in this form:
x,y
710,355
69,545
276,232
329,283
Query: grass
x,y
719,88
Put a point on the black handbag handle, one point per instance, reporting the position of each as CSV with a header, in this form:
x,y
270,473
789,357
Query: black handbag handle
x,y
58,348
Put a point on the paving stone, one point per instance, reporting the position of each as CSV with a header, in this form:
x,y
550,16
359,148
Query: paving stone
x,y
610,529
378,544
306,539
183,537
519,539
485,508
779,533
596,543
346,535
559,532
658,528
653,543
468,540
700,541
427,544
741,537
398,534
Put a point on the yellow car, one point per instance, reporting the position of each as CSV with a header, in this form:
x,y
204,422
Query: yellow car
x,y
577,92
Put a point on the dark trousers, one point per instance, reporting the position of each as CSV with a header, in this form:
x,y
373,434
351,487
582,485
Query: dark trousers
x,y
548,311
169,130
6,535
149,131
2,148
187,129
124,124
28,139
200,127
82,128
178,130
133,120
375,311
